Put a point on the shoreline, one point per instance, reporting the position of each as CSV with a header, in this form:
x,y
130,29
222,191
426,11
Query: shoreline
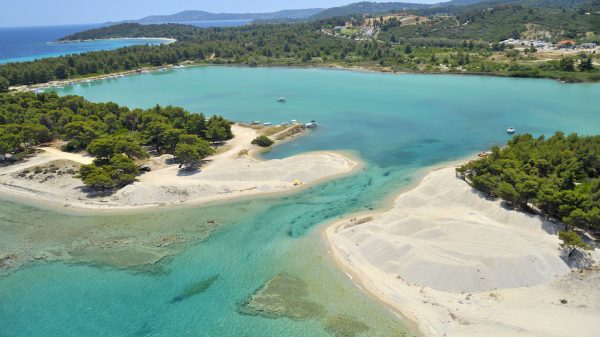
x,y
435,312
366,286
214,183
33,58
122,244
57,84
325,66
386,70
408,319
167,39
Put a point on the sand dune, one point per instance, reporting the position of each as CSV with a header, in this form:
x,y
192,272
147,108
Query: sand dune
x,y
461,265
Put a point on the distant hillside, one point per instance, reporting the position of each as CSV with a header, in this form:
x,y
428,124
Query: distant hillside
x,y
360,8
367,8
498,20
193,15
461,2
301,14
136,30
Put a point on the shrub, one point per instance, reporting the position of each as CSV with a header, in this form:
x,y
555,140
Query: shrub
x,y
107,175
262,141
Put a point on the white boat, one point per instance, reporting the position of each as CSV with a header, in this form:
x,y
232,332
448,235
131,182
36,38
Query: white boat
x,y
311,125
267,123
510,130
293,121
281,99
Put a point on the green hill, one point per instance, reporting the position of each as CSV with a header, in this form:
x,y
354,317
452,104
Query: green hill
x,y
193,15
500,20
367,8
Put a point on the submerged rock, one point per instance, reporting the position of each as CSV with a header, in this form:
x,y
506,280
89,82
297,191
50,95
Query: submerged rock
x,y
195,289
344,326
129,256
283,296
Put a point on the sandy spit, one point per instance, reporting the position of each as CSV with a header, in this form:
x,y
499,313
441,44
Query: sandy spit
x,y
458,264
232,173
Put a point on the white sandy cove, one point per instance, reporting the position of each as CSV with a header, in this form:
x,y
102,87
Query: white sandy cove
x,y
225,175
460,265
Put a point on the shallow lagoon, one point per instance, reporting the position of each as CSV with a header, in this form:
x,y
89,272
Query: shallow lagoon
x,y
398,124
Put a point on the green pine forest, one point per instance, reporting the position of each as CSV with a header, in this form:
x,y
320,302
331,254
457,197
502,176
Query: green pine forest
x,y
115,135
557,176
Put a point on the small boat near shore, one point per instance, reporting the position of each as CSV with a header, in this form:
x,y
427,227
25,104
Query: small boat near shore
x,y
311,125
510,130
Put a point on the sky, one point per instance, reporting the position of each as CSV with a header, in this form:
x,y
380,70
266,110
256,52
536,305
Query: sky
x,y
59,12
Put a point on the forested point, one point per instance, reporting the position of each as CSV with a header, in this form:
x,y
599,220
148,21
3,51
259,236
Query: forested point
x,y
558,177
115,135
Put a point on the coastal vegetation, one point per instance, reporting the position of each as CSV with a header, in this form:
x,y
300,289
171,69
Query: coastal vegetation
x,y
191,150
558,177
115,135
4,84
262,141
572,240
457,39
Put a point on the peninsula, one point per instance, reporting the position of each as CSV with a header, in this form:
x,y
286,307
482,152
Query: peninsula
x,y
90,155
459,264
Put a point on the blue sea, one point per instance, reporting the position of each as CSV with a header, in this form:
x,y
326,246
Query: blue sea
x,y
21,44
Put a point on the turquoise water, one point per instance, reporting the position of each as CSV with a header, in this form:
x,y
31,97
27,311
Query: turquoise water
x,y
398,124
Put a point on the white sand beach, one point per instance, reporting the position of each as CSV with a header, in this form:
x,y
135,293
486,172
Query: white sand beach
x,y
458,264
233,172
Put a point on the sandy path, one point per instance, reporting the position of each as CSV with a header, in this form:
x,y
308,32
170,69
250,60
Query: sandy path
x,y
47,155
460,265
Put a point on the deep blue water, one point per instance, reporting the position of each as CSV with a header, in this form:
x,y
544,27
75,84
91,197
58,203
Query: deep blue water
x,y
20,44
